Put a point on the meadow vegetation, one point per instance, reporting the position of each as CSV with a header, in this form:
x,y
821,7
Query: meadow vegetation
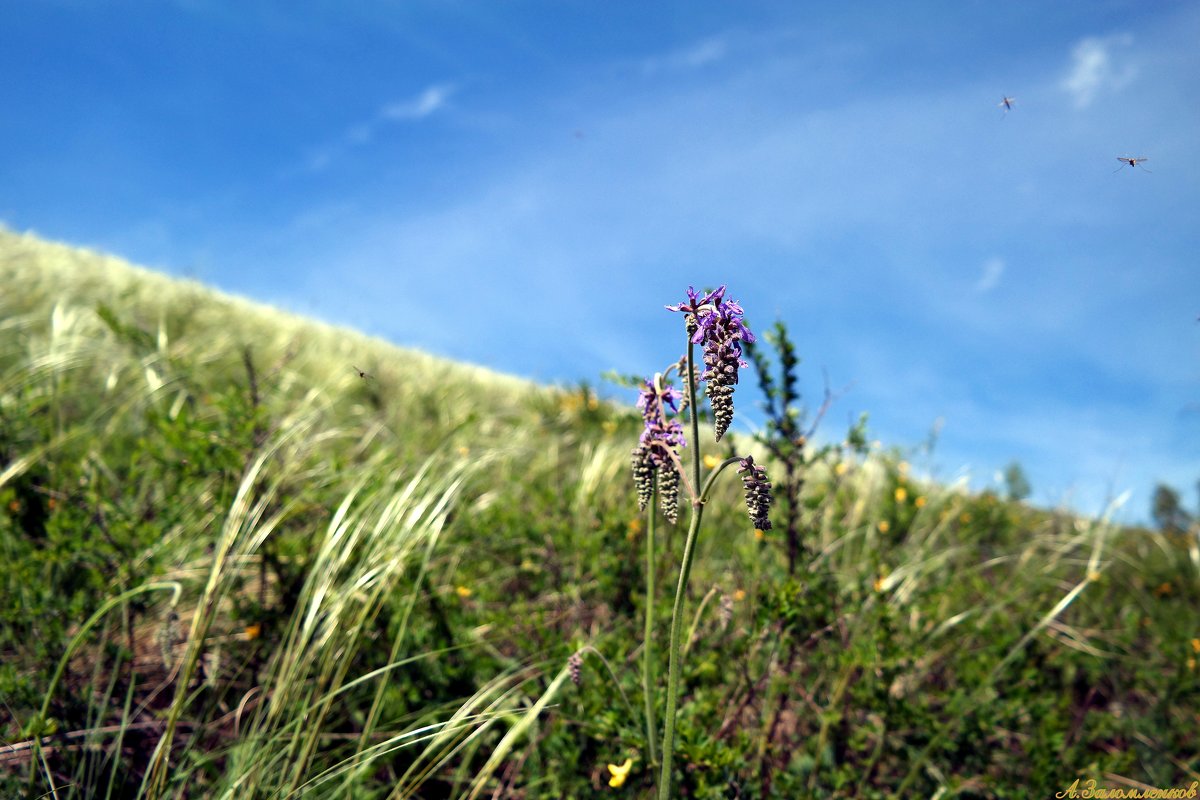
x,y
234,567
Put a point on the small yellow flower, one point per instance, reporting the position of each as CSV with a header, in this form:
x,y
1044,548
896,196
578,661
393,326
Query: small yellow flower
x,y
901,494
1093,576
759,534
840,468
464,451
463,592
965,517
593,403
880,582
1163,589
884,526
711,461
739,595
1191,662
920,502
1196,645
609,426
619,774
252,631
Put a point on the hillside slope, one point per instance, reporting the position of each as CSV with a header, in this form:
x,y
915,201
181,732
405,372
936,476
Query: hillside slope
x,y
236,568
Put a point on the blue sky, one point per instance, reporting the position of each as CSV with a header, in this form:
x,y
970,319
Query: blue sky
x,y
525,184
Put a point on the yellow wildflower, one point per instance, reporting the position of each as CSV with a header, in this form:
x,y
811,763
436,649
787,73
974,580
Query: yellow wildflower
x,y
464,451
463,592
965,517
884,526
840,469
593,402
619,774
711,461
901,494
880,582
1196,645
759,534
609,426
1093,576
1163,589
920,502
739,595
1191,662
252,631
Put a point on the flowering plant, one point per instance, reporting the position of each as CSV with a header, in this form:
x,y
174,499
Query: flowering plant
x,y
717,324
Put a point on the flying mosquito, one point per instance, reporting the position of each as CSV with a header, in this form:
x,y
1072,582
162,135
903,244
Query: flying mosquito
x,y
1007,103
1133,162
362,374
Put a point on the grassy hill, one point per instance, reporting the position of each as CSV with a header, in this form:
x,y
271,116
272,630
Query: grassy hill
x,y
237,568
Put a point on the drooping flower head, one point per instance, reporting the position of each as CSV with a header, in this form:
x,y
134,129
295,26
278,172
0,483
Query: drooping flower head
x,y
717,324
657,450
758,492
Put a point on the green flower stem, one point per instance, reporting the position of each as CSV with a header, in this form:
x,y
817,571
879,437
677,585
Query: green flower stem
x,y
685,571
648,637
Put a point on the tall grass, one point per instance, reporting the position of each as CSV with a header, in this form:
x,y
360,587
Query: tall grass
x,y
377,583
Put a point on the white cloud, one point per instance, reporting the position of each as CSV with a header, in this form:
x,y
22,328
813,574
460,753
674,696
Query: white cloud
x,y
431,100
993,269
1094,69
428,102
702,53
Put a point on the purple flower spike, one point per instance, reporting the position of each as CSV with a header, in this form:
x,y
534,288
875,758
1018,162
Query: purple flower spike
x,y
758,492
720,328
657,449
695,302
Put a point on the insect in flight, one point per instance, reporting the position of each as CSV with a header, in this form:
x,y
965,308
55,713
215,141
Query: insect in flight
x,y
362,374
1131,161
1007,103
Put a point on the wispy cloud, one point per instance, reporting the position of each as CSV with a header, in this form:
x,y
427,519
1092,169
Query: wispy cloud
x,y
430,101
989,278
1095,68
700,54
